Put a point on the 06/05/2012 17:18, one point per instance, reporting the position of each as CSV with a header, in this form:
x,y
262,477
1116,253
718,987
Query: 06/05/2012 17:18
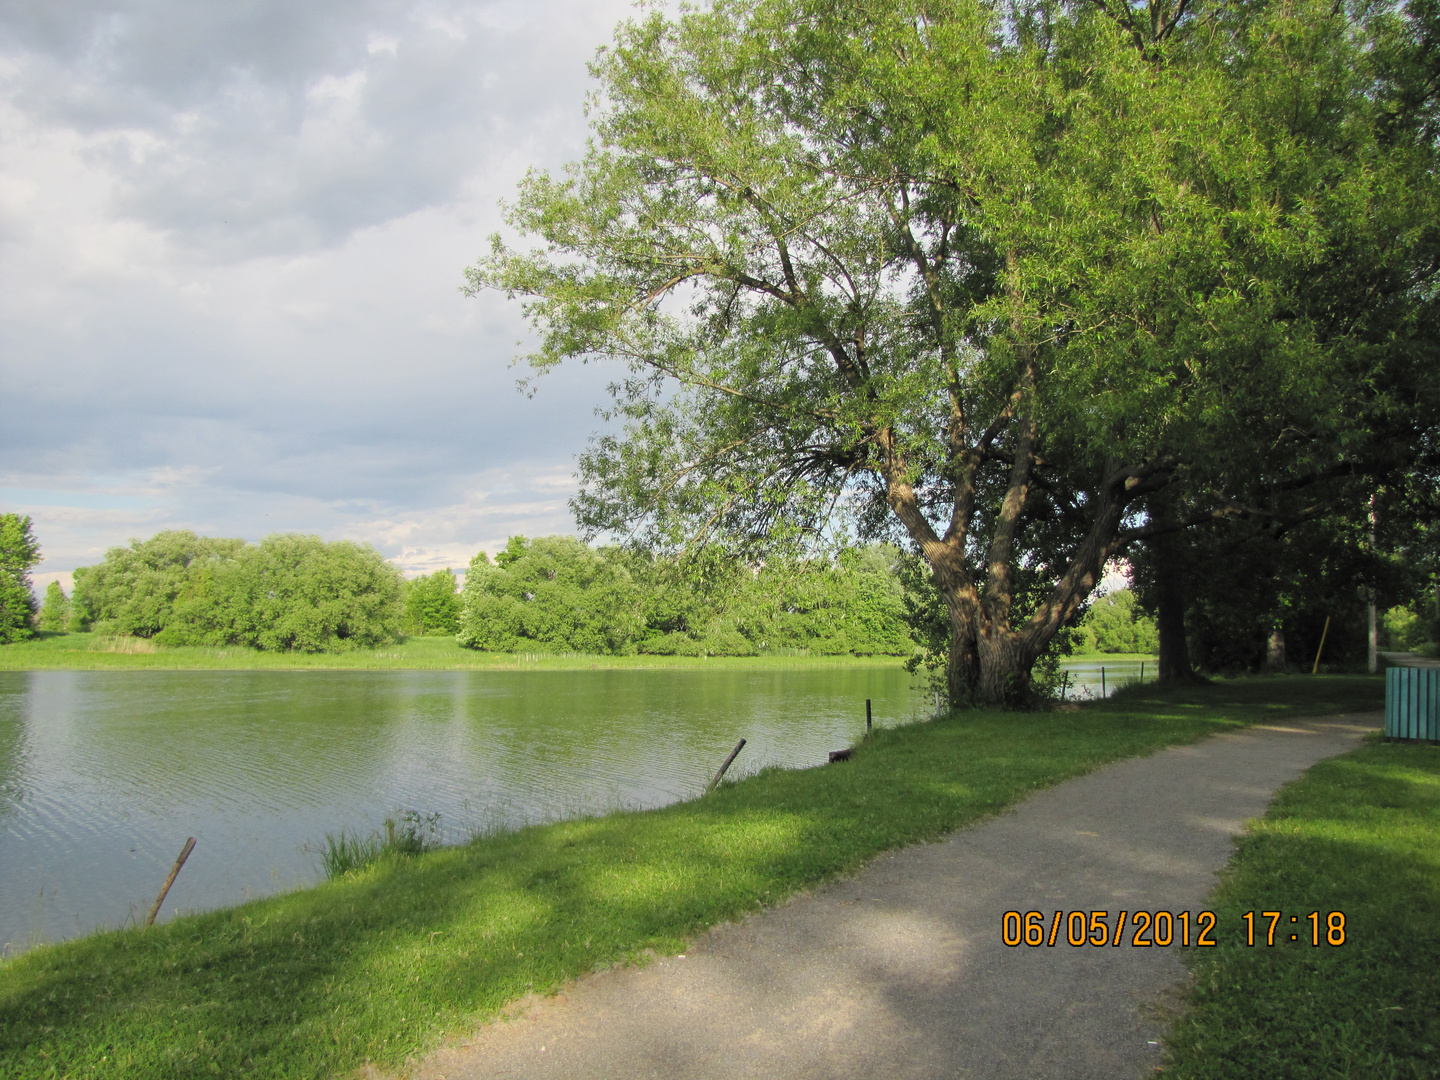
x,y
1148,929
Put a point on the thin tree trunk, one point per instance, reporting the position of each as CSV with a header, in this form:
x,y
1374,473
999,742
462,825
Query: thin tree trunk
x,y
1275,650
1170,610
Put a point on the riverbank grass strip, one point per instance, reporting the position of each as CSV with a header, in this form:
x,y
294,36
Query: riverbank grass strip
x,y
96,652
383,963
1358,834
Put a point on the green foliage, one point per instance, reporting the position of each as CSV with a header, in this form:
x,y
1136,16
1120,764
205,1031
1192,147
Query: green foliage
x,y
287,593
553,593
55,611
134,590
19,552
384,963
1115,624
987,277
558,594
1357,834
1404,631
432,604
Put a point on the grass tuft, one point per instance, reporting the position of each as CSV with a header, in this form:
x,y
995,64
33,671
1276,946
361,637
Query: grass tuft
x,y
407,833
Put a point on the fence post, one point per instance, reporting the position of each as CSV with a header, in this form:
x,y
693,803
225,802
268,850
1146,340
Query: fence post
x,y
164,889
719,775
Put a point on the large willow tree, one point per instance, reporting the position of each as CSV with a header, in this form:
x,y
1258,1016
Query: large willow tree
x,y
989,277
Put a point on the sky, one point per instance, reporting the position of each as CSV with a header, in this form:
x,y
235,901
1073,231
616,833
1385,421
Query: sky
x,y
232,245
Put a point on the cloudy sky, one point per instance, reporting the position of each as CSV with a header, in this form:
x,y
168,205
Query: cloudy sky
x,y
232,240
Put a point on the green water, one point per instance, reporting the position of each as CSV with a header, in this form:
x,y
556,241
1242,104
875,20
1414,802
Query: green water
x,y
104,774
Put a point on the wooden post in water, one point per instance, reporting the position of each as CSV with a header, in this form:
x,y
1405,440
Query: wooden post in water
x,y
174,873
1065,684
867,718
1142,671
717,777
1102,681
1323,634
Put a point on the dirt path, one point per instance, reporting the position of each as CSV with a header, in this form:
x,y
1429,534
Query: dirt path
x,y
900,972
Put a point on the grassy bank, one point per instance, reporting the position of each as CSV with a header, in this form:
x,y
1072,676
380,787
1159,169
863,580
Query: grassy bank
x,y
1359,834
92,652
382,964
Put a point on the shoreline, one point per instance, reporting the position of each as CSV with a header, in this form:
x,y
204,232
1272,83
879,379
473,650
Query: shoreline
x,y
94,652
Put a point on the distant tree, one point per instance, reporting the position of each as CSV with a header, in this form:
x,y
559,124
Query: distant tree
x,y
19,552
55,611
552,593
289,592
1115,624
293,593
556,593
133,591
432,604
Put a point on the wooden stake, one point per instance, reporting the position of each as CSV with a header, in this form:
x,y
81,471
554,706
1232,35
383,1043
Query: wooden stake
x,y
184,854
1323,633
867,717
716,778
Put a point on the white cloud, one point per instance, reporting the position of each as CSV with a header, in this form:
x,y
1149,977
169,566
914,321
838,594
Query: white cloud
x,y
231,244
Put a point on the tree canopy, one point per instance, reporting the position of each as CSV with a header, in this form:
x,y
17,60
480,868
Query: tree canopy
x,y
54,615
287,593
1020,285
432,604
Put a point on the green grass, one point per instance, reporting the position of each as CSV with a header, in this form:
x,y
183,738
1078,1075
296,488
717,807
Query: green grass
x,y
92,652
385,962
1358,834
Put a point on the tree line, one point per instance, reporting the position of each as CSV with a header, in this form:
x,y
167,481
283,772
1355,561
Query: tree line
x,y
559,593
299,593
549,594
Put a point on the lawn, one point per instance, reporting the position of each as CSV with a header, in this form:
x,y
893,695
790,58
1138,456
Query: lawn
x,y
384,963
1358,834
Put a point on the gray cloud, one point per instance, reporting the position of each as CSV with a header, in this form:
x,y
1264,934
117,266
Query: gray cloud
x,y
231,240
275,127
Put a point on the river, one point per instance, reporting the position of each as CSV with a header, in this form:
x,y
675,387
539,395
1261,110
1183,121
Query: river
x,y
104,774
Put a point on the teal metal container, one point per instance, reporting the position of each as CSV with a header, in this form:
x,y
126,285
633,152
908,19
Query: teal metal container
x,y
1412,703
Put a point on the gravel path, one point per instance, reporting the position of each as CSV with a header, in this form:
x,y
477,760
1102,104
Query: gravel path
x,y
900,972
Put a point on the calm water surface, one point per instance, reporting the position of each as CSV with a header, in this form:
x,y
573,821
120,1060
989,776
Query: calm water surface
x,y
104,774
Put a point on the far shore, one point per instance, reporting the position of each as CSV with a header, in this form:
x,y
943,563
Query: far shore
x,y
95,652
